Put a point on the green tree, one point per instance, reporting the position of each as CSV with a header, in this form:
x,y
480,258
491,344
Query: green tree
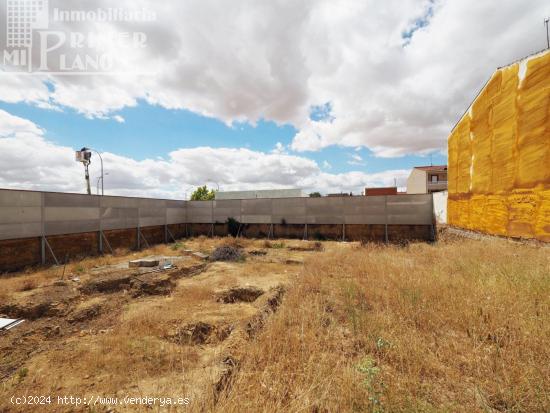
x,y
315,195
202,193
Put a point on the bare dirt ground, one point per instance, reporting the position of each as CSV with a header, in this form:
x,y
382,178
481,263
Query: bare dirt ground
x,y
97,327
461,325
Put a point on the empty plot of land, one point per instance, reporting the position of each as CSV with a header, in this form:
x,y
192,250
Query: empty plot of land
x,y
461,325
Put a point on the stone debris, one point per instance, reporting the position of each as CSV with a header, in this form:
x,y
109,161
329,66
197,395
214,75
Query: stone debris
x,y
200,255
144,262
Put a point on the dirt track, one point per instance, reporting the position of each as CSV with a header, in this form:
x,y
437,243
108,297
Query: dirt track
x,y
116,331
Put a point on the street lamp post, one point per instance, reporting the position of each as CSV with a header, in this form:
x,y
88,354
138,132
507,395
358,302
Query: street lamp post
x,y
97,185
101,160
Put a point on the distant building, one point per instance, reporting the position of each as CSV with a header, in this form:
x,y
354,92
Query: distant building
x,y
261,193
427,179
340,194
392,190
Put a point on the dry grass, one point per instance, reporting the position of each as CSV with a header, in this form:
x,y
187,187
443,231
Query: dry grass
x,y
460,326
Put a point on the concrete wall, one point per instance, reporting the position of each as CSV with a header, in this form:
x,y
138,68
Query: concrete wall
x,y
72,224
25,214
440,206
499,155
417,182
395,210
263,193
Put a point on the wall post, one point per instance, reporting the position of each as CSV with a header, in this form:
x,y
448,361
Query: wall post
x,y
386,219
43,230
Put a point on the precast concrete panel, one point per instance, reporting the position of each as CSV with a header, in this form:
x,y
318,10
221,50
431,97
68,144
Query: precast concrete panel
x,y
9,198
289,210
224,209
365,210
118,202
176,215
174,203
70,227
151,221
199,212
410,209
20,214
54,199
256,211
152,213
324,210
145,203
70,214
119,218
20,230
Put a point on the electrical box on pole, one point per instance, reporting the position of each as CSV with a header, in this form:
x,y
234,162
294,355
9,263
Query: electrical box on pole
x,y
84,156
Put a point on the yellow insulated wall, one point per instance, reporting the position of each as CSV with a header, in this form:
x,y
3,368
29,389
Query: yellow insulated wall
x,y
499,155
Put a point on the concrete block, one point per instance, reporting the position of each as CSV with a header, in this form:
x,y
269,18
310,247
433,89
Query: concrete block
x,y
200,255
144,262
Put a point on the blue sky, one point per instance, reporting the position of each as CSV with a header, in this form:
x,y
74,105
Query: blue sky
x,y
152,131
346,96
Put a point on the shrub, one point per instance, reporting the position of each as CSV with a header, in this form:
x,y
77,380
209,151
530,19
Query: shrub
x,y
227,253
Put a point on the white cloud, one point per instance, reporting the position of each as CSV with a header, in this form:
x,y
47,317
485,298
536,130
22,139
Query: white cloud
x,y
274,60
30,161
279,148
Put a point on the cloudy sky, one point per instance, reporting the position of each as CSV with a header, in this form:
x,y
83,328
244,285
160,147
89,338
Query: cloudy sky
x,y
323,95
